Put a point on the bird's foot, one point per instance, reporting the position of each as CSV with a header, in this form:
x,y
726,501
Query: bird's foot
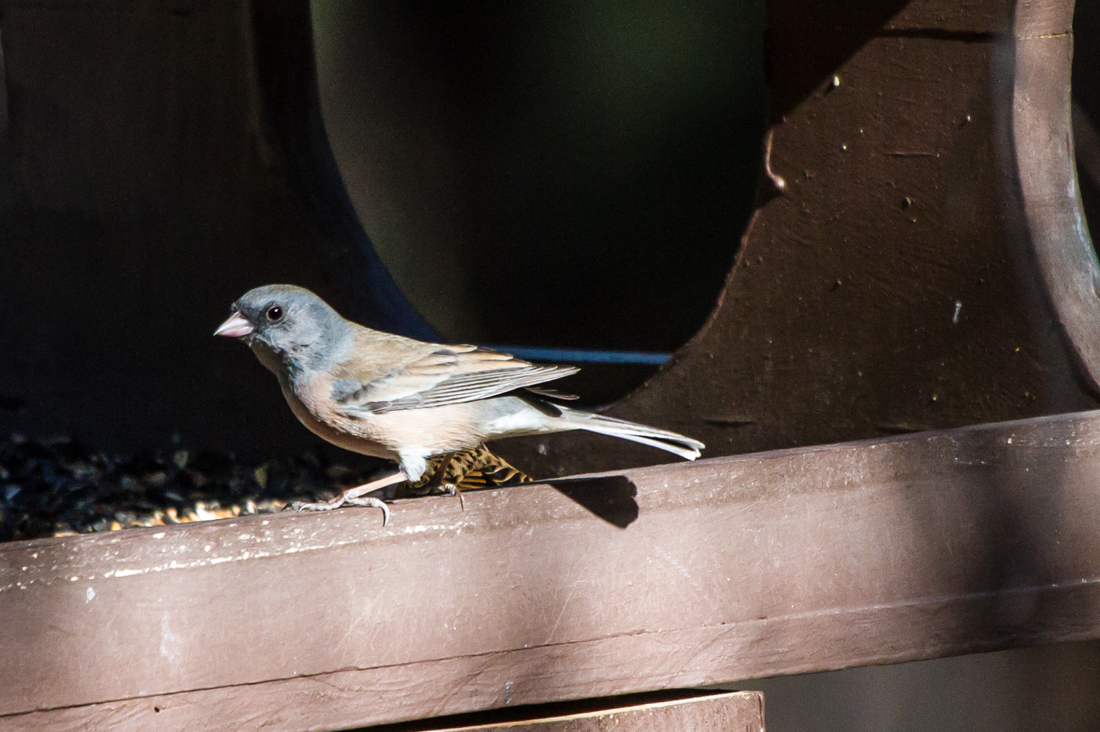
x,y
375,502
319,505
344,500
434,474
355,497
453,490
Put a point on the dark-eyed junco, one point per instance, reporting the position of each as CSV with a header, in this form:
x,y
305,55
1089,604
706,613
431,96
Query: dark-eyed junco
x,y
393,397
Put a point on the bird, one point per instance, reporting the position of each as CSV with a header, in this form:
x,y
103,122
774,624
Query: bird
x,y
406,400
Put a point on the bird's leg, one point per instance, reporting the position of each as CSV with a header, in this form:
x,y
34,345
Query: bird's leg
x,y
462,465
451,486
432,478
444,469
355,497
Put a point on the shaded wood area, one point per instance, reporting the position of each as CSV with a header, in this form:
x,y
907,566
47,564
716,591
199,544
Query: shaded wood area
x,y
1043,135
906,548
918,257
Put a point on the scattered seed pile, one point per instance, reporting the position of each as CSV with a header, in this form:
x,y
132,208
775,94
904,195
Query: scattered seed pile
x,y
59,487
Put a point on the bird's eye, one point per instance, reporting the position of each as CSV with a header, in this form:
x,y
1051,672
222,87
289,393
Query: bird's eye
x,y
274,314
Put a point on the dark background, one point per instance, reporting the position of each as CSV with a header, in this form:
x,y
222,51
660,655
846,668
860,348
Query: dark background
x,y
566,174
562,174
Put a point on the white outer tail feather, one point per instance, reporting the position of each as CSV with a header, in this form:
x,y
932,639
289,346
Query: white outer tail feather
x,y
685,447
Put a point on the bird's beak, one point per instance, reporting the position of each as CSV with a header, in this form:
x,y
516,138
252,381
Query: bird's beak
x,y
235,327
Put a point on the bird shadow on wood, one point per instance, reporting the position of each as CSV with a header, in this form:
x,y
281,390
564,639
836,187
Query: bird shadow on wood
x,y
611,497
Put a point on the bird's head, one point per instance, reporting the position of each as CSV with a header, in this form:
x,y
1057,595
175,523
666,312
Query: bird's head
x,y
289,328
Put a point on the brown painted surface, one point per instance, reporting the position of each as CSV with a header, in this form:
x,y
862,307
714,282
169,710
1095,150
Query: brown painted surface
x,y
912,547
1055,214
735,712
919,169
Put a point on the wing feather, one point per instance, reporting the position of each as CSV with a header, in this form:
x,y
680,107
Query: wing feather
x,y
450,375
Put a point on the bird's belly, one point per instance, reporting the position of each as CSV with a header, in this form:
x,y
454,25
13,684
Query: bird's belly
x,y
433,431
348,434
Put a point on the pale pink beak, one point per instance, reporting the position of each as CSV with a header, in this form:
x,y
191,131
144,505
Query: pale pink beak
x,y
235,327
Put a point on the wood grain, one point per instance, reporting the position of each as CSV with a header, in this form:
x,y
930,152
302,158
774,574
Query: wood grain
x,y
804,560
1042,132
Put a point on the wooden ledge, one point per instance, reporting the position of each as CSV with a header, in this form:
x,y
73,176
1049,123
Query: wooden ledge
x,y
911,547
739,710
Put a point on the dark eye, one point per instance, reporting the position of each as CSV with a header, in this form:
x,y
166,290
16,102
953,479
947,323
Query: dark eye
x,y
274,314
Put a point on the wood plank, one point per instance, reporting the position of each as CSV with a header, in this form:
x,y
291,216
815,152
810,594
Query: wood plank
x,y
739,711
1042,132
803,560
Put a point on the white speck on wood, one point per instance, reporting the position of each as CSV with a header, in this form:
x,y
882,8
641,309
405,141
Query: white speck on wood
x,y
169,641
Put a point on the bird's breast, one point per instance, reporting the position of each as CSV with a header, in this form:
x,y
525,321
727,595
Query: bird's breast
x,y
431,431
313,407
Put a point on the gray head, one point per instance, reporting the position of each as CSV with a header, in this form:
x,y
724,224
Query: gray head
x,y
287,326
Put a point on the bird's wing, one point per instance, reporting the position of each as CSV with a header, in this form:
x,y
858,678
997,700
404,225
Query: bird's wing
x,y
448,375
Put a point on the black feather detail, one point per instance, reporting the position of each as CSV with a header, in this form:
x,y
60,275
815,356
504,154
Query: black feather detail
x,y
545,391
547,408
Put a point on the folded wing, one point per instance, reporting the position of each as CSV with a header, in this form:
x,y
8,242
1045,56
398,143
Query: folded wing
x,y
449,375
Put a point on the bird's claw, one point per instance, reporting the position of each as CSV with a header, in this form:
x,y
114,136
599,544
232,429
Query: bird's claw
x,y
452,490
344,501
371,501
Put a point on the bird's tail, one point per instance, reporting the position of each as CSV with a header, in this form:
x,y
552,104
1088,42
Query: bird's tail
x,y
685,447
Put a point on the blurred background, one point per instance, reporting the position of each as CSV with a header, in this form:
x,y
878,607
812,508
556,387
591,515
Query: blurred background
x,y
573,174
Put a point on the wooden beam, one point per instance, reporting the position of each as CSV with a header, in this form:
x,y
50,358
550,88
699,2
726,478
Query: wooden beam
x,y
1052,206
738,711
906,548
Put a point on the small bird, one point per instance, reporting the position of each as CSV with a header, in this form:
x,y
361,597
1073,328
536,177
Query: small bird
x,y
405,400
